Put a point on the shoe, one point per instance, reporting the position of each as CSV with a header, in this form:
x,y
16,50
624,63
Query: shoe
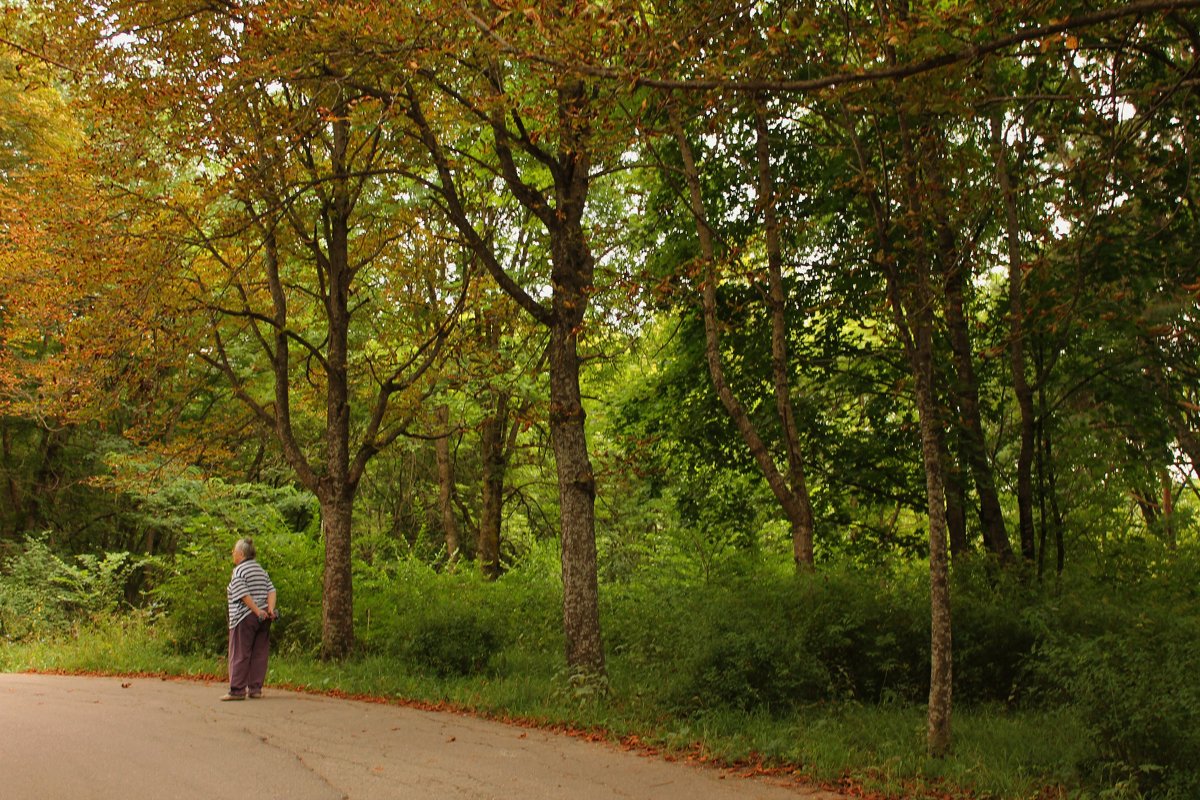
x,y
255,695
233,697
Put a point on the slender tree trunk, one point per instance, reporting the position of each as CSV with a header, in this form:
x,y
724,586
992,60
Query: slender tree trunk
x,y
912,310
802,523
494,457
966,388
1060,547
940,644
1042,490
953,264
916,325
254,471
1016,333
1168,508
12,485
795,504
956,501
445,469
1056,517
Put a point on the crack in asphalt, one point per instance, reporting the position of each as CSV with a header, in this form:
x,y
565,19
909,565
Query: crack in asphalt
x,y
266,740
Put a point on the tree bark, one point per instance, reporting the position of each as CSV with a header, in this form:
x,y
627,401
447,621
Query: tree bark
x,y
445,470
1168,508
337,588
1016,334
572,270
577,498
802,524
966,391
953,264
495,458
912,306
940,644
1051,518
792,499
956,501
337,630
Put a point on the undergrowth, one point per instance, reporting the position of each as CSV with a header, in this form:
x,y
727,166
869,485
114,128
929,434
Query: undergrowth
x,y
1082,690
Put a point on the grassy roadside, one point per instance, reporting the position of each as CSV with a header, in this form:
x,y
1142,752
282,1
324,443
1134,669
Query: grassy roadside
x,y
868,751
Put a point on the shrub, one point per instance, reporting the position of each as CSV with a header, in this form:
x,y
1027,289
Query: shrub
x,y
452,643
43,594
29,604
753,669
770,639
1136,690
872,630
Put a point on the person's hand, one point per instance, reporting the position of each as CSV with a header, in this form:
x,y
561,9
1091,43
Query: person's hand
x,y
262,615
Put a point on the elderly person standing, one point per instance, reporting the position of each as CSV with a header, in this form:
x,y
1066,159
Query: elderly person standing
x,y
251,608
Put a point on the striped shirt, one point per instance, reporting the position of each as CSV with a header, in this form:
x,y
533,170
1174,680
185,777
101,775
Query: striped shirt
x,y
248,579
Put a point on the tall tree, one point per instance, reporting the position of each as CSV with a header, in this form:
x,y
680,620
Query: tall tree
x,y
290,220
545,135
788,484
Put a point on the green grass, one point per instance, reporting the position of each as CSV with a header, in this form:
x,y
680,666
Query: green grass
x,y
998,754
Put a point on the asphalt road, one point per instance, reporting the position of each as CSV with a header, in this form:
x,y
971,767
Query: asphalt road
x,y
83,738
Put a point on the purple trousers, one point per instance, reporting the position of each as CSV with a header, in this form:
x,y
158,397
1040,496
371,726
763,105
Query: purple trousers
x,y
249,646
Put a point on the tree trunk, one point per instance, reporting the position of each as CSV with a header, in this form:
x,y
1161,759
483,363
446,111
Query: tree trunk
x,y
445,469
337,595
956,501
337,495
915,319
11,484
1148,505
577,491
1168,508
573,265
940,644
793,499
495,457
1051,518
1042,490
911,303
572,275
953,264
802,522
966,391
1016,334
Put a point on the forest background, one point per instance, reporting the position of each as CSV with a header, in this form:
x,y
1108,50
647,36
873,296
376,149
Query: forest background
x,y
809,385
